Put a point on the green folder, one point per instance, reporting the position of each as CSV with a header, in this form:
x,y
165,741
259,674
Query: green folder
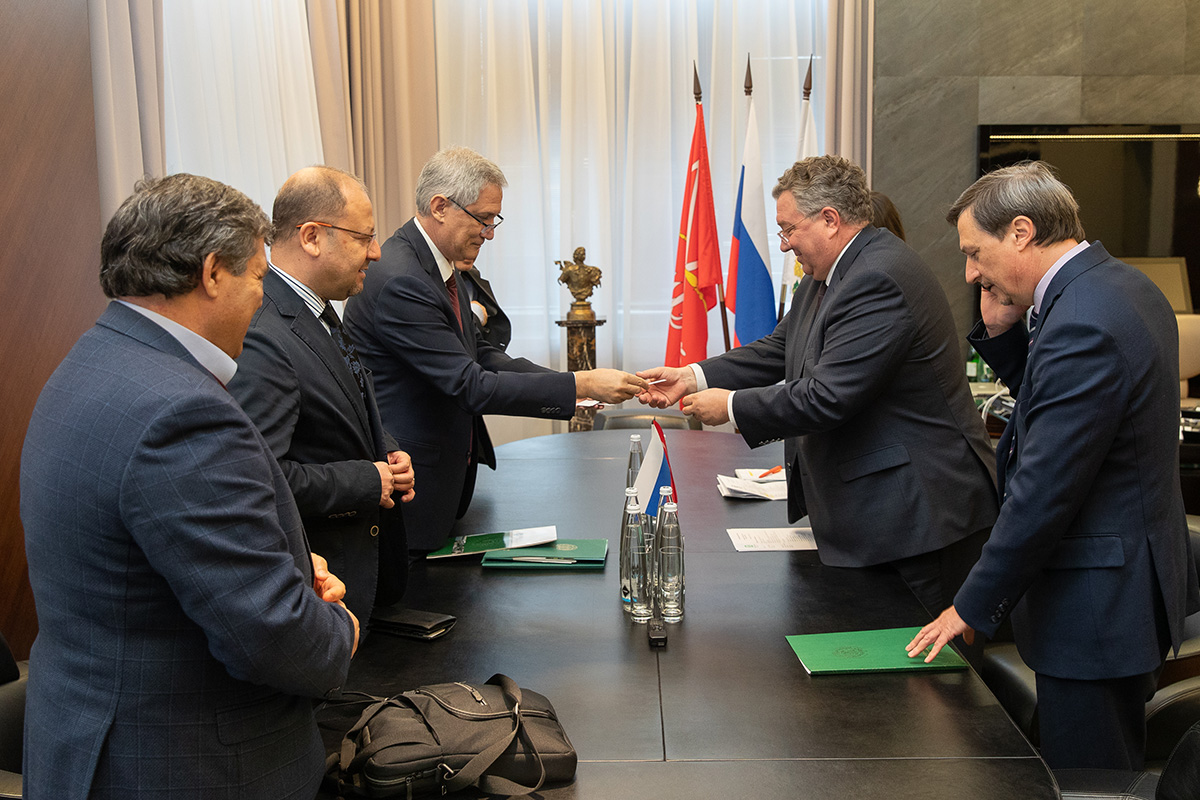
x,y
478,543
867,651
563,554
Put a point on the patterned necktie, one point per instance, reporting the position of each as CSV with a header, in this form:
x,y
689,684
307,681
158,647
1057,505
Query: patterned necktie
x,y
345,347
1033,319
452,287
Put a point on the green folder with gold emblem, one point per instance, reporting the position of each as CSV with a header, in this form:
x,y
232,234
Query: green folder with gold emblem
x,y
561,554
867,651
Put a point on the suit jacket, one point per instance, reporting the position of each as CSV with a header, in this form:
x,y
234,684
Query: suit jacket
x,y
180,640
294,384
884,448
498,330
433,381
1092,535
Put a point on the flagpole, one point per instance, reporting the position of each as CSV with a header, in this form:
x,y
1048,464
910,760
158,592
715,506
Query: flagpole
x,y
720,283
789,259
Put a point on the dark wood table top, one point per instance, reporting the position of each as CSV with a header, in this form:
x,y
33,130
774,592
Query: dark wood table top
x,y
726,709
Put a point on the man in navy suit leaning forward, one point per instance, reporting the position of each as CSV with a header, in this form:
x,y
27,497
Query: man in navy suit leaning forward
x,y
883,446
184,625
1090,554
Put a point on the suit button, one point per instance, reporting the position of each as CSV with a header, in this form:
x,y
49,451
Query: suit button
x,y
374,530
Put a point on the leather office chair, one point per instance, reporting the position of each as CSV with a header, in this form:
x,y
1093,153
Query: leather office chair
x,y
13,677
1189,349
1180,778
611,418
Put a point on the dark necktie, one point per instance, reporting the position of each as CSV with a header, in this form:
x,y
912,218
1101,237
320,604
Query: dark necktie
x,y
821,294
452,287
1033,319
345,347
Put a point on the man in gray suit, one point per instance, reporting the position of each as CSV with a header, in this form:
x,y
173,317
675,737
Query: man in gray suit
x,y
184,626
884,449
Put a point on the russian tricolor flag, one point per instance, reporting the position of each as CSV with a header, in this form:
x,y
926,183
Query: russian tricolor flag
x,y
749,291
655,472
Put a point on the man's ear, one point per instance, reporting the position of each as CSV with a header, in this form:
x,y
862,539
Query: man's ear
x,y
212,275
831,217
1023,231
310,238
438,207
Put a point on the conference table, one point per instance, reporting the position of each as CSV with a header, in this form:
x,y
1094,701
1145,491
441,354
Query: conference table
x,y
725,709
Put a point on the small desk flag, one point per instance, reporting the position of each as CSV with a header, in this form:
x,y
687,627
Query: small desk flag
x,y
655,472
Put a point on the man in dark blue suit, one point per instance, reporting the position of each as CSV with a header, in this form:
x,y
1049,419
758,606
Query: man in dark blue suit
x,y
1090,554
435,375
184,626
883,447
301,382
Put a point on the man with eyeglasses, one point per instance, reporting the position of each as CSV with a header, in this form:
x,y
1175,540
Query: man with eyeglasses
x,y
304,387
863,379
435,375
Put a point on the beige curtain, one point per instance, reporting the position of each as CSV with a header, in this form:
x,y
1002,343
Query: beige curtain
x,y
849,81
377,95
127,92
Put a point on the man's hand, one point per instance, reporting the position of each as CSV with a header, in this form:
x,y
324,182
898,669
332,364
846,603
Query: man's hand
x,y
676,382
608,385
394,477
710,406
938,633
405,480
998,317
328,586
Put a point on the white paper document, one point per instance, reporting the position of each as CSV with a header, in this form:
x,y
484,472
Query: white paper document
x,y
751,489
763,539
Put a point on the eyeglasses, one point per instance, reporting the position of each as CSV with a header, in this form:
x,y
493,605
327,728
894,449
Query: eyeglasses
x,y
366,237
784,234
487,228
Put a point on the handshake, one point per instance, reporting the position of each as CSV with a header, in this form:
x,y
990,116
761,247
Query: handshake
x,y
660,387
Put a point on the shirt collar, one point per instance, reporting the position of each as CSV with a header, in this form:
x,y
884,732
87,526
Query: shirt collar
x,y
443,263
1039,291
211,357
315,303
838,260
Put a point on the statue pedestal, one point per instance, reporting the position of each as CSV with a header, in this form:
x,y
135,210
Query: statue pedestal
x,y
581,355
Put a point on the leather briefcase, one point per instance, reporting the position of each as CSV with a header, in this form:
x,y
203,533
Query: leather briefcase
x,y
438,739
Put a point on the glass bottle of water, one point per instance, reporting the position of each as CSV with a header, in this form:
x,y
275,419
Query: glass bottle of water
x,y
639,548
635,458
669,547
628,517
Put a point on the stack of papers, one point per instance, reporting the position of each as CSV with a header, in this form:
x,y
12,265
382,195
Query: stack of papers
x,y
754,484
483,542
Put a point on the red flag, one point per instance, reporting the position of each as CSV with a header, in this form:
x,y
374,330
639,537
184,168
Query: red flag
x,y
697,260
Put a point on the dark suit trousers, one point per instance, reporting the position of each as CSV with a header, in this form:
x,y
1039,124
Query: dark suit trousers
x,y
935,578
1094,724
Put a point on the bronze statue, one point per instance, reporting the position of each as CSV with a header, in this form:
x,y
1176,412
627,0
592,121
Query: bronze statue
x,y
578,277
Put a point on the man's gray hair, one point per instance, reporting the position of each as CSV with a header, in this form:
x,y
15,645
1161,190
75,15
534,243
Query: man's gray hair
x,y
316,194
1029,189
458,173
821,181
157,241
